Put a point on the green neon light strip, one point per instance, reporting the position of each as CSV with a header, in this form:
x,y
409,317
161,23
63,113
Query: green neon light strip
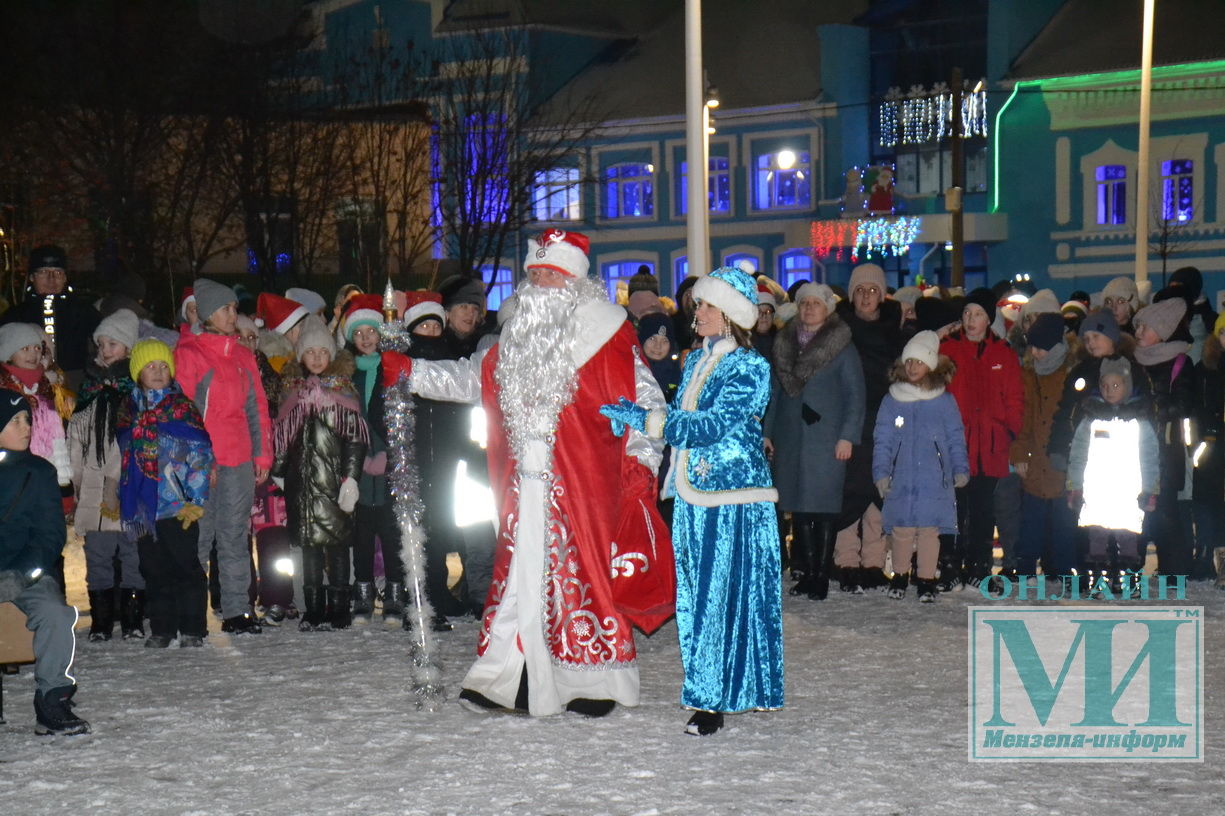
x,y
995,148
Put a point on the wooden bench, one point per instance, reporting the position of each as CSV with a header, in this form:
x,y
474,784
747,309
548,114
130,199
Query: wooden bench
x,y
16,645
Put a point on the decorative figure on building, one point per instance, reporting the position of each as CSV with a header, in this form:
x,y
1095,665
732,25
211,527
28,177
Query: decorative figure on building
x,y
880,196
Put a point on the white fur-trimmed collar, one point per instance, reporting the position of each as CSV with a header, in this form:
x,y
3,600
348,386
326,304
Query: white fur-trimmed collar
x,y
594,323
909,392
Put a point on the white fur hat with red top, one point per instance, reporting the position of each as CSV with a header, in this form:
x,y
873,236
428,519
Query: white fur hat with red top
x,y
280,314
561,251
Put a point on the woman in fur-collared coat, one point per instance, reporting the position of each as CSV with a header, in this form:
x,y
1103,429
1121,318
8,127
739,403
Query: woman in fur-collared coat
x,y
815,417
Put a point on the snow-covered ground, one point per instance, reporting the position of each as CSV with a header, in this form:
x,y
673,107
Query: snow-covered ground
x,y
292,723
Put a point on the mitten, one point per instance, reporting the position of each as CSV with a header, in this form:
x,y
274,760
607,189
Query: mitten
x,y
625,414
189,514
395,365
883,484
961,480
347,499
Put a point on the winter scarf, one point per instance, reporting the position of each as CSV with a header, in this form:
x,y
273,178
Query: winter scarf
x,y
1160,352
150,422
47,429
931,386
110,387
794,364
330,394
368,363
1053,359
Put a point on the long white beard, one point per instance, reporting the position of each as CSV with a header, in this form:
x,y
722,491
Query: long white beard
x,y
536,372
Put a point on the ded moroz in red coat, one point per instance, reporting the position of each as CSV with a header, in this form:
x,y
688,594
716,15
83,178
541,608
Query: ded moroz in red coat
x,y
988,390
584,558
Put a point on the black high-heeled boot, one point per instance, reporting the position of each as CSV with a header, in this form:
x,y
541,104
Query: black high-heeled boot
x,y
825,532
803,553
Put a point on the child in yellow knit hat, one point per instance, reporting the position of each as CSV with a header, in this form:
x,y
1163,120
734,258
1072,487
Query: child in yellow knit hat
x,y
167,460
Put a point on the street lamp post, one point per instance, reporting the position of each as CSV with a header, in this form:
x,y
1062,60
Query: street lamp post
x,y
697,229
1146,92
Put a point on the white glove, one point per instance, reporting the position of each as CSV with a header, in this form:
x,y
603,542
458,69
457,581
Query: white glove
x,y
348,495
279,481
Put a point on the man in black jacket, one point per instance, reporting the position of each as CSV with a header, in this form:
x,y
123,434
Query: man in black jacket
x,y
32,534
51,304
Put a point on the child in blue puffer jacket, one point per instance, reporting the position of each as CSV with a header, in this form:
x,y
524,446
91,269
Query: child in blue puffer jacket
x,y
918,459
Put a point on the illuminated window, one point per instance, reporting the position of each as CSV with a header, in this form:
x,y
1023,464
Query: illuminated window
x,y
1111,194
782,180
622,271
1177,190
718,190
555,196
680,269
503,285
629,191
794,266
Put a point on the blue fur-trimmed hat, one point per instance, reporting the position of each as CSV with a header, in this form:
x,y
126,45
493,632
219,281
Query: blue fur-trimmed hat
x,y
732,290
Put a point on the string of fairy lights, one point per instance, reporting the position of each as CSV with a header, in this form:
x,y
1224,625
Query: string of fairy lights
x,y
923,116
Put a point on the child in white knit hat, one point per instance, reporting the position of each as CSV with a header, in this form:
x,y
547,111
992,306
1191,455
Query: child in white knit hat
x,y
918,459
22,370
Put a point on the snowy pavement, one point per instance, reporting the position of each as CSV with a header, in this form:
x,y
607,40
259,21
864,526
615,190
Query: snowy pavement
x,y
320,723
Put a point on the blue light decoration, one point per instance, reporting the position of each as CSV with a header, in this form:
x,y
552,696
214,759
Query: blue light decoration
x,y
887,237
921,116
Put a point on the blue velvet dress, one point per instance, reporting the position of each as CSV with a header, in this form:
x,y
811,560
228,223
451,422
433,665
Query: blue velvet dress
x,y
725,533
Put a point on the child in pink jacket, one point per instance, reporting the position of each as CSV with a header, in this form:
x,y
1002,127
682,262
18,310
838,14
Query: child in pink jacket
x,y
220,375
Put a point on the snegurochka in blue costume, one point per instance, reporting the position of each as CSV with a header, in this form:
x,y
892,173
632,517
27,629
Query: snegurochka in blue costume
x,y
724,529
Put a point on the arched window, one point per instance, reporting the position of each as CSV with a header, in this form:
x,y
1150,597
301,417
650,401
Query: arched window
x,y
793,266
503,285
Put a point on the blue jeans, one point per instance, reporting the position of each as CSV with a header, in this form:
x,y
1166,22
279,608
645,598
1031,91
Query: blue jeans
x,y
1048,529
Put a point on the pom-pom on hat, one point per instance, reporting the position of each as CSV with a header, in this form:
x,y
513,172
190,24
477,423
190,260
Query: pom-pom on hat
x,y
16,336
924,347
561,251
147,351
423,306
361,310
122,326
733,291
280,314
314,334
1046,331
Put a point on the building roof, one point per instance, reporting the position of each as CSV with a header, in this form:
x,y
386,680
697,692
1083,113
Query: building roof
x,y
620,18
1092,36
756,54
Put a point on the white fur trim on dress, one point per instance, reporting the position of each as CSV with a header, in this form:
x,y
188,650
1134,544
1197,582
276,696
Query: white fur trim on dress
x,y
739,309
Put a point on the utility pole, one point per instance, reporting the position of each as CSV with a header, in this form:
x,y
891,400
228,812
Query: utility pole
x,y
953,196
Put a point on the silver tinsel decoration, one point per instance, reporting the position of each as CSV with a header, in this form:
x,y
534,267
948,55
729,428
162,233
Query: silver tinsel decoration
x,y
400,414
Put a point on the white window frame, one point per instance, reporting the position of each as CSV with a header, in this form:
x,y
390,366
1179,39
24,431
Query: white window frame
x,y
640,152
1108,153
572,190
798,140
631,255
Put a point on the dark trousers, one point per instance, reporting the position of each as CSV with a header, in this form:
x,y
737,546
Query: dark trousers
x,y
369,523
1164,528
313,565
1048,531
176,591
976,521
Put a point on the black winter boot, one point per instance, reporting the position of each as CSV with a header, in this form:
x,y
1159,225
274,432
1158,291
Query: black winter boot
x,y
393,603
898,584
101,614
312,616
803,553
926,590
53,712
363,602
132,613
850,580
338,607
825,531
